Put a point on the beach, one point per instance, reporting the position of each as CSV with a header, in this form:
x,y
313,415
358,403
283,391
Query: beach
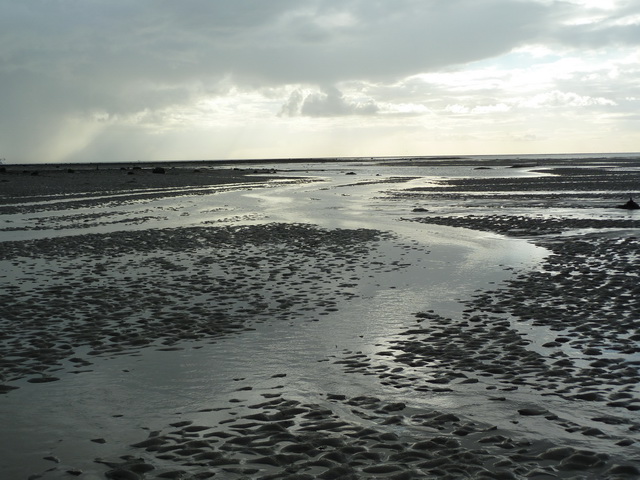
x,y
395,319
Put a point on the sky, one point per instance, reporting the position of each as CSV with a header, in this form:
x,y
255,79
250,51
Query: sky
x,y
150,80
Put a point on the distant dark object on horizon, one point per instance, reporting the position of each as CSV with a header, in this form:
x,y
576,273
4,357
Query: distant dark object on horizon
x,y
525,165
158,170
630,205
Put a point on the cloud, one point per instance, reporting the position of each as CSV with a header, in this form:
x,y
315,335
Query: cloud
x,y
329,102
293,105
562,99
74,73
118,43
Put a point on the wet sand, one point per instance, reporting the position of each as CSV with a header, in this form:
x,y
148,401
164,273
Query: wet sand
x,y
33,182
162,287
82,298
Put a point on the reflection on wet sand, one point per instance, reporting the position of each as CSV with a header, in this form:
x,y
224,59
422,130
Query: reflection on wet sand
x,y
318,330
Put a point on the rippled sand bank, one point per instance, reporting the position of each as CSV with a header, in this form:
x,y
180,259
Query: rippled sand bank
x,y
531,355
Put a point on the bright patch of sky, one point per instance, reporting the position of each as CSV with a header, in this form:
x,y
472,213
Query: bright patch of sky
x,y
212,79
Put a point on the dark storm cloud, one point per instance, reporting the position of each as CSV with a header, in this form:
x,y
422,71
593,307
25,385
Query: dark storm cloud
x,y
71,58
111,45
115,43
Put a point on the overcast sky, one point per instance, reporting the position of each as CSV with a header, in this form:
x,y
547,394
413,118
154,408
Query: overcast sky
x,y
128,80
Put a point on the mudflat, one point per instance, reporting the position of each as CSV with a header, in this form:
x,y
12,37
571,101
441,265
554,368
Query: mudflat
x,y
536,376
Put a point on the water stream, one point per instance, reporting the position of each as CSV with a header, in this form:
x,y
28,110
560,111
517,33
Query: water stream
x,y
124,394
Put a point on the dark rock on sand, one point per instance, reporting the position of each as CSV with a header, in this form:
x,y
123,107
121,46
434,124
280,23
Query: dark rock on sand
x,y
630,205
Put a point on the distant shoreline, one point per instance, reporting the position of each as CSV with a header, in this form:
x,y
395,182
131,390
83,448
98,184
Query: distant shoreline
x,y
383,159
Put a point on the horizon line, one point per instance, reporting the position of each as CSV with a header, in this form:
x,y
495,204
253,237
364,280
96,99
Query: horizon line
x,y
326,158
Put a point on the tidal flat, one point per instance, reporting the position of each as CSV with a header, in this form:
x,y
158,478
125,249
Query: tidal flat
x,y
380,318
